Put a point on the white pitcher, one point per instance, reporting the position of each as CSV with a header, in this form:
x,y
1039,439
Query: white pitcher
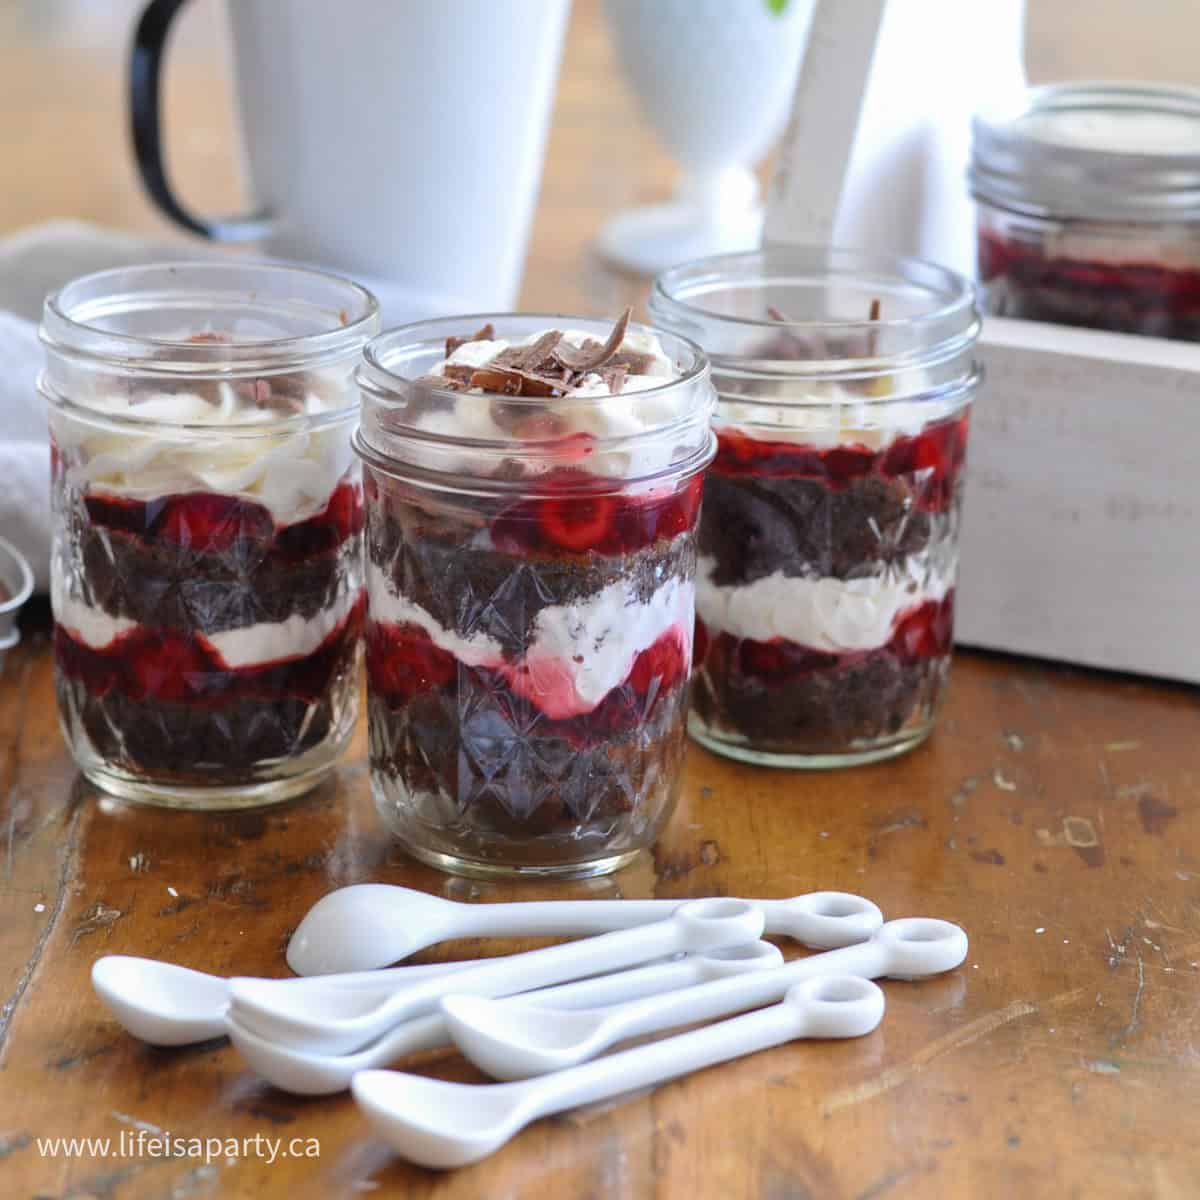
x,y
400,142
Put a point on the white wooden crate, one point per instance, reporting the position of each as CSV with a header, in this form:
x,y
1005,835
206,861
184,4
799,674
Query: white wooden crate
x,y
1081,528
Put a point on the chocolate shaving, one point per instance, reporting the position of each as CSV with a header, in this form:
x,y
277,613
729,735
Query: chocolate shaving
x,y
873,336
281,396
484,334
221,339
510,381
530,358
614,376
589,356
635,362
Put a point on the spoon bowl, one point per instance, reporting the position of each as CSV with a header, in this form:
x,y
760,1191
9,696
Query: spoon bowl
x,y
435,1123
168,1005
159,1002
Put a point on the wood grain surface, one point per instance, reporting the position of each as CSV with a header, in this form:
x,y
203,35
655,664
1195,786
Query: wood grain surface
x,y
1055,815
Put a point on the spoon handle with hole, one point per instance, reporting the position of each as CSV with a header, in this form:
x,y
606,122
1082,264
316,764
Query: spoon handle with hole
x,y
656,1062
720,997
794,917
911,948
576,960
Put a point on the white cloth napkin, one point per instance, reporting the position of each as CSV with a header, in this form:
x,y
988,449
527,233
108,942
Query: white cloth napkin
x,y
34,262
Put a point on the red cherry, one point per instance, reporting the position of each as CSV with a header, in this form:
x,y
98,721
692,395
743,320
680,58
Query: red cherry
x,y
402,662
207,522
579,523
170,667
661,663
345,510
845,463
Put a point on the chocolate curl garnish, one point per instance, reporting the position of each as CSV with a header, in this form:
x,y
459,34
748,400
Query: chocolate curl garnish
x,y
530,358
873,336
614,377
509,381
791,345
590,356
485,334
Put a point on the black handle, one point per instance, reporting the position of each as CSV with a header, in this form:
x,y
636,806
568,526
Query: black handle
x,y
145,75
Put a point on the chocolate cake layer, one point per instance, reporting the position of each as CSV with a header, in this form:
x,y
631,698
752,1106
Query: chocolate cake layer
x,y
1043,295
167,586
474,590
473,773
819,713
192,746
755,527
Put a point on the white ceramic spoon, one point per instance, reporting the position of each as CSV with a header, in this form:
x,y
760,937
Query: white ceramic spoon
x,y
336,1021
439,1124
518,1038
373,924
168,1005
321,1074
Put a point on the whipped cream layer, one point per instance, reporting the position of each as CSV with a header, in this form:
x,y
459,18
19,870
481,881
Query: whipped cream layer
x,y
1180,253
233,448
588,408
250,646
833,615
823,415
577,652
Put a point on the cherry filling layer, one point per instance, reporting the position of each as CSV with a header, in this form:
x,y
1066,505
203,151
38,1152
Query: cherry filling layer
x,y
922,632
589,519
210,523
184,668
1148,286
934,458
403,663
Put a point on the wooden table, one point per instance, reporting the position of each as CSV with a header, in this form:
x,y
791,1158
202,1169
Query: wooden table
x,y
1056,815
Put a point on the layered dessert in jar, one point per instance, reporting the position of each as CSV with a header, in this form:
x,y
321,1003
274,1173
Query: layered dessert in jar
x,y
533,488
206,571
828,542
1088,200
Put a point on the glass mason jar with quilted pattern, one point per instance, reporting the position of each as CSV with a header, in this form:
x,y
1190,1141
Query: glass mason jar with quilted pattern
x,y
530,562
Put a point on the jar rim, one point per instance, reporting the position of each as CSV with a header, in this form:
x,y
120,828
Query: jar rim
x,y
834,260
71,325
1085,151
377,372
943,328
392,378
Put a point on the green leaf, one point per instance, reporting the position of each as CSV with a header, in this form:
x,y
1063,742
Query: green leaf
x,y
776,7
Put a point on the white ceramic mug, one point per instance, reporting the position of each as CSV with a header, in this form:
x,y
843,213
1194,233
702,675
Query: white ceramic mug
x,y
398,142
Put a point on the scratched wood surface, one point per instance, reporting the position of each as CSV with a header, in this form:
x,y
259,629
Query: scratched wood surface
x,y
1056,815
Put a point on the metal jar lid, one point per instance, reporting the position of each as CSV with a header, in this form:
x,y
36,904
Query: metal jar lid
x,y
1091,151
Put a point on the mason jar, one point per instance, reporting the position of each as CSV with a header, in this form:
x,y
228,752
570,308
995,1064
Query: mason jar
x,y
1088,203
828,546
530,579
205,575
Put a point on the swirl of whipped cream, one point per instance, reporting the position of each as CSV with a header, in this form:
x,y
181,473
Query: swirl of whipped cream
x,y
290,463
